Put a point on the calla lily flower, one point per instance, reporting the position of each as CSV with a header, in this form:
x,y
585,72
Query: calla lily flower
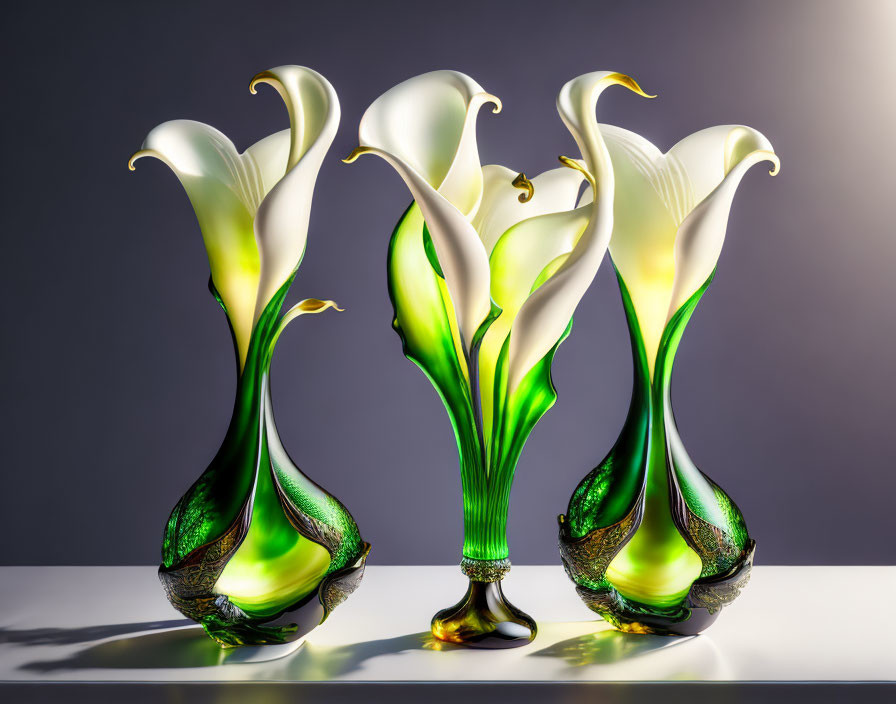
x,y
426,129
253,208
676,536
672,213
255,550
485,271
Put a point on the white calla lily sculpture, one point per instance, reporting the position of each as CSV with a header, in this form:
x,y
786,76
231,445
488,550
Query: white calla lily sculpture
x,y
485,270
652,543
255,551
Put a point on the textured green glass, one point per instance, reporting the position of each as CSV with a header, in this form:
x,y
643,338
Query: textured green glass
x,y
488,451
254,539
646,525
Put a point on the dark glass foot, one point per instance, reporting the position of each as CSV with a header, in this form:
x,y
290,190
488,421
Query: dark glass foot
x,y
484,619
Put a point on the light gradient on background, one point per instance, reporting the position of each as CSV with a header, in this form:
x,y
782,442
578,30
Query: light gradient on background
x,y
119,374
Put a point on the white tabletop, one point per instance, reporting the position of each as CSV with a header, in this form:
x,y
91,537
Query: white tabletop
x,y
113,624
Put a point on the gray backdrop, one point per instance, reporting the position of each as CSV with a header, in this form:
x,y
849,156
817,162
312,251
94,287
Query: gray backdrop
x,y
118,372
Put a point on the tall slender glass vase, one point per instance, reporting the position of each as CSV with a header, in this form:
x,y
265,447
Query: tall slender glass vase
x,y
487,452
652,543
255,551
485,271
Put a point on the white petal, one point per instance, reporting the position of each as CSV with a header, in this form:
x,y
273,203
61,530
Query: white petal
x,y
708,155
656,193
649,199
554,191
426,129
546,313
268,158
524,248
281,225
576,104
224,192
519,257
664,239
702,234
461,254
527,248
429,123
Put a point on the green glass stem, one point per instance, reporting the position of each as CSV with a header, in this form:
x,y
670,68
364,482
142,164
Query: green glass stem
x,y
486,499
484,617
485,489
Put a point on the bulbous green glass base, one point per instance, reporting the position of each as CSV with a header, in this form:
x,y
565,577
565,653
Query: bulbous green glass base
x,y
484,619
696,612
188,591
255,551
651,542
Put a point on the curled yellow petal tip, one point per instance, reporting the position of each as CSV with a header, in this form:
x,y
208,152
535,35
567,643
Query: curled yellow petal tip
x,y
262,77
522,181
496,101
316,305
573,164
137,155
758,155
309,305
629,82
358,151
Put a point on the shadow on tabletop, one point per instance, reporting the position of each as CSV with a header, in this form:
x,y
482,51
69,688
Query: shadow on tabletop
x,y
314,662
183,647
71,636
191,648
607,647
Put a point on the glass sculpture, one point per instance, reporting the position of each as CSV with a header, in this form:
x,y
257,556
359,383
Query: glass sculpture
x,y
652,543
255,551
485,269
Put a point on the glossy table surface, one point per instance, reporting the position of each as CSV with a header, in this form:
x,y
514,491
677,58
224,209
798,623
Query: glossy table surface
x,y
113,624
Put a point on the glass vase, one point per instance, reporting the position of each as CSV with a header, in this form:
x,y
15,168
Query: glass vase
x,y
488,451
652,543
255,551
485,271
